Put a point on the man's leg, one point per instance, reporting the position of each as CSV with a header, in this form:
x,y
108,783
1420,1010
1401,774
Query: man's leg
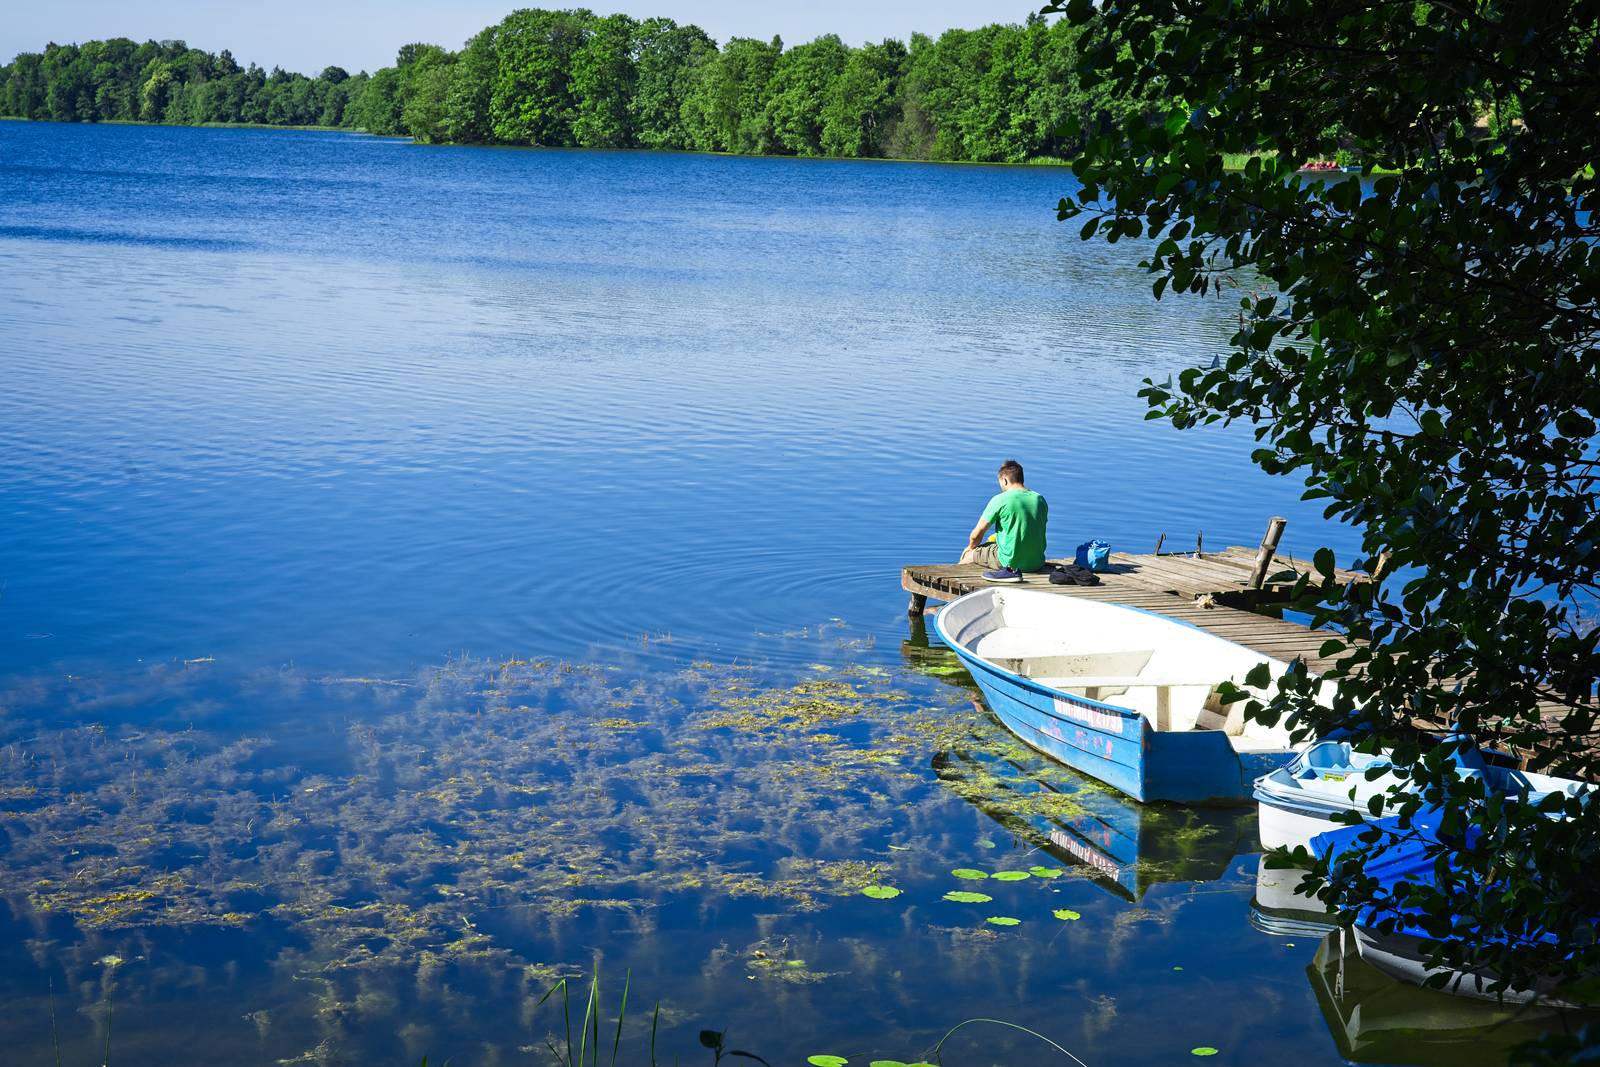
x,y
985,555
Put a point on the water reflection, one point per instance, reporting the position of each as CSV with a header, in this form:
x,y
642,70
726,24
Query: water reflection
x,y
1280,910
1375,1019
1125,846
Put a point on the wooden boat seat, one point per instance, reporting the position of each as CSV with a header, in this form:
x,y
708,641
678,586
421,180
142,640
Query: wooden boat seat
x,y
1072,683
1097,687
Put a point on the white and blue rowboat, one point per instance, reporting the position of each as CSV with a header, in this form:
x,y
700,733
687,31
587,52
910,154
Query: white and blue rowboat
x,y
1119,694
1331,779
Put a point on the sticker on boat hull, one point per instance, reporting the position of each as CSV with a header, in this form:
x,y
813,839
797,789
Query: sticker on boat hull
x,y
1094,718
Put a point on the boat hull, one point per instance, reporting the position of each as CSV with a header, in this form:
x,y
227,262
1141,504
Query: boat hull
x,y
1118,746
1285,827
1400,956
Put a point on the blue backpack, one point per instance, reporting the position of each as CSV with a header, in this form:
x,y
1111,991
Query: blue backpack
x,y
1094,555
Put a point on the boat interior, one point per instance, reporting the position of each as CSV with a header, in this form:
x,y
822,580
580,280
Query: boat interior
x,y
1165,671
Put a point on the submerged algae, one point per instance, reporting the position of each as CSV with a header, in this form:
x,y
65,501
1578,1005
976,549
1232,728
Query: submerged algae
x,y
495,786
444,831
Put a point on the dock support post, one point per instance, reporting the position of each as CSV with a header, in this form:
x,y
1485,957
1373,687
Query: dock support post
x,y
918,605
1269,547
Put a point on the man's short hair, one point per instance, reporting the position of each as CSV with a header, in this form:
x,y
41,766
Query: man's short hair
x,y
1011,471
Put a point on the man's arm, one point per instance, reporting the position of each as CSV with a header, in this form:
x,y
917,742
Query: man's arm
x,y
976,537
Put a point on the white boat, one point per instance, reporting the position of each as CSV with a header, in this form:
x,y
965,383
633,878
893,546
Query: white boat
x,y
1392,933
1302,799
1123,695
1400,955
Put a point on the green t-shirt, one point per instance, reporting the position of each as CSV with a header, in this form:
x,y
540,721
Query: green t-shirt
x,y
1018,516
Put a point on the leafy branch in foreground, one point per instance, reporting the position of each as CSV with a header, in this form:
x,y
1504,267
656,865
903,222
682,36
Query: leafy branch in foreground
x,y
1421,348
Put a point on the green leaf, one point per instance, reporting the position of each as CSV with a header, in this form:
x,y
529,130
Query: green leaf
x,y
1066,914
1045,872
1002,920
827,1061
887,1063
1010,876
961,896
1203,1050
968,873
880,892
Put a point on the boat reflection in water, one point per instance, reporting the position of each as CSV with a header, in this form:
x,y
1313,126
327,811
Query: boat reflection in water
x,y
1375,1019
1121,844
1278,909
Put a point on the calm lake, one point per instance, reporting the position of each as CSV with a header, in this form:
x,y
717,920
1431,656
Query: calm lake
x,y
426,573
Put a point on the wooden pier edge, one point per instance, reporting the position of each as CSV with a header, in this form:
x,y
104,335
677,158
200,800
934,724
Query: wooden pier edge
x,y
1224,591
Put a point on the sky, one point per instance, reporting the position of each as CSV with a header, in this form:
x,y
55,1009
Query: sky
x,y
308,35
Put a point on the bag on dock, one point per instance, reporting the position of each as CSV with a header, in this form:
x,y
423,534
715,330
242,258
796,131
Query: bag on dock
x,y
1094,555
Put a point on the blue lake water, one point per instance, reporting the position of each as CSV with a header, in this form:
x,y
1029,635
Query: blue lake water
x,y
427,572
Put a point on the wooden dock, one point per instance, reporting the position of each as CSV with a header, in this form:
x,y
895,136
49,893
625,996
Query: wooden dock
x,y
1228,592
1278,638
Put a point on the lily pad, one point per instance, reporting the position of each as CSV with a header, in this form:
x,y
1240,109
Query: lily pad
x,y
1045,872
1002,920
1010,876
968,873
1066,914
961,896
827,1061
1203,1050
888,1063
795,963
987,842
880,892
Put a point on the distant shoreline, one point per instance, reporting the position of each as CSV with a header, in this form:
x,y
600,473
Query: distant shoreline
x,y
1041,161
1230,163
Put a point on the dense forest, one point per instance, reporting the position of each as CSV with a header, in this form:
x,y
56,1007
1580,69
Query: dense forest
x,y
574,78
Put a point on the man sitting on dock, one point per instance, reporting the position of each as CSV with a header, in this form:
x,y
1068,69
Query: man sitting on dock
x,y
1018,516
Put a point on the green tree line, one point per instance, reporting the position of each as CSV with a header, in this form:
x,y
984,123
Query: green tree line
x,y
167,81
571,78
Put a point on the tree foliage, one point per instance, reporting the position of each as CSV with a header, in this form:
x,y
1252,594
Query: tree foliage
x,y
1420,346
573,78
118,80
